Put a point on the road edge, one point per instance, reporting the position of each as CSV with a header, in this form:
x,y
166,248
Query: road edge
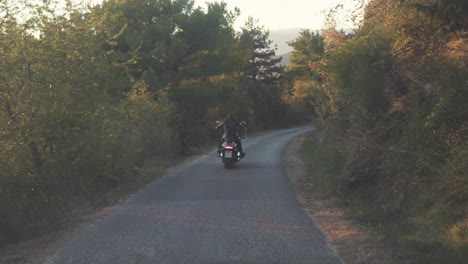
x,y
353,243
36,249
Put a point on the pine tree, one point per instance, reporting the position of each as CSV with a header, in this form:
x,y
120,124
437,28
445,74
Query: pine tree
x,y
263,63
263,75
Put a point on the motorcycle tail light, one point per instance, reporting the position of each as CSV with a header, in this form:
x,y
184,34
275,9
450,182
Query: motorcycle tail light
x,y
228,147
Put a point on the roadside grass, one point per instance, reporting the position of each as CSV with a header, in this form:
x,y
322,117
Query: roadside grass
x,y
433,230
152,168
84,207
326,163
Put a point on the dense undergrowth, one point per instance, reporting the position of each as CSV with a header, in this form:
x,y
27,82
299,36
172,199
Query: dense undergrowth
x,y
426,230
392,105
88,93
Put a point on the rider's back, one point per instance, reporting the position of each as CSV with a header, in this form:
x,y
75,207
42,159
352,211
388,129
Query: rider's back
x,y
230,128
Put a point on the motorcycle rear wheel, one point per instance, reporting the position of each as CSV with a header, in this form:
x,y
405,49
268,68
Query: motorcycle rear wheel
x,y
228,163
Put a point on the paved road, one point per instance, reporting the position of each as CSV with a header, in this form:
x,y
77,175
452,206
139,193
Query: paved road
x,y
203,213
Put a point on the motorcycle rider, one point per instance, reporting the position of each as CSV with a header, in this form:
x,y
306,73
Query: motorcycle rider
x,y
231,127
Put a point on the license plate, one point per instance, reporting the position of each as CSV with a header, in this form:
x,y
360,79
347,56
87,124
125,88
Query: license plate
x,y
228,154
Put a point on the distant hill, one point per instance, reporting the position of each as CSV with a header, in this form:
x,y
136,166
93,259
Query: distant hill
x,y
285,58
281,37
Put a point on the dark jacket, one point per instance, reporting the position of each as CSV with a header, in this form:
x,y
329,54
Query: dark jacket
x,y
231,126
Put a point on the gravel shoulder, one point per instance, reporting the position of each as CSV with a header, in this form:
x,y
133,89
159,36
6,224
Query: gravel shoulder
x,y
35,250
354,243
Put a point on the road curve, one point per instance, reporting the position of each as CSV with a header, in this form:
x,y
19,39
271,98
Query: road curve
x,y
203,213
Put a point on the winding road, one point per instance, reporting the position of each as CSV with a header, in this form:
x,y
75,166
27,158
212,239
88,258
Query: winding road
x,y
203,213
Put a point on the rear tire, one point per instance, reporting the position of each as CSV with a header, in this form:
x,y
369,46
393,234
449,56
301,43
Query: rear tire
x,y
228,163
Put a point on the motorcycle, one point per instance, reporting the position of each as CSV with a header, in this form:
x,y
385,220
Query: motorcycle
x,y
229,152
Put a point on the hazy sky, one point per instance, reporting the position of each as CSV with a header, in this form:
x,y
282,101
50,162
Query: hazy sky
x,y
283,14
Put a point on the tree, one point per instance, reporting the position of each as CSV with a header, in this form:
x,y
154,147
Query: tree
x,y
263,65
304,73
62,127
212,42
263,74
143,36
396,127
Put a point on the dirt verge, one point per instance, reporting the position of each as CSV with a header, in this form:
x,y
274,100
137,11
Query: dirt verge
x,y
354,243
37,249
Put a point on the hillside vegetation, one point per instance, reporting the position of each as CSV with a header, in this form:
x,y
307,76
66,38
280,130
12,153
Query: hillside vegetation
x,y
392,104
88,93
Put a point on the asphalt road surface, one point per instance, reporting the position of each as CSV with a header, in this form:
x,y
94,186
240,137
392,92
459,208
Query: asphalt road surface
x,y
203,213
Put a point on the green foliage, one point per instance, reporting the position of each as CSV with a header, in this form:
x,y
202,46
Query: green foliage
x,y
308,47
393,112
358,68
263,65
306,94
324,158
264,76
87,94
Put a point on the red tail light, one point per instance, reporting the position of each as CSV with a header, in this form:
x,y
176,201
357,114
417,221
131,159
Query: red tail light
x,y
228,147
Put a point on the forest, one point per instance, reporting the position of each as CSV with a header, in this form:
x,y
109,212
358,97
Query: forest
x,y
87,93
391,103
